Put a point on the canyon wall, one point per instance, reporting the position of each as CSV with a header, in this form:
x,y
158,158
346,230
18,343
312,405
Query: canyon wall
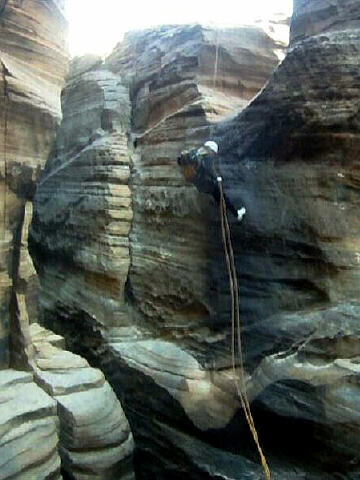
x,y
130,258
84,200
179,81
140,299
61,416
292,159
33,62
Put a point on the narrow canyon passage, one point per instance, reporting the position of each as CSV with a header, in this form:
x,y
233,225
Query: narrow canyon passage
x,y
115,334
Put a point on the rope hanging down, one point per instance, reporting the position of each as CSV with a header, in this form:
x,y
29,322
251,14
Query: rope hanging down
x,y
236,329
3,5
5,133
216,64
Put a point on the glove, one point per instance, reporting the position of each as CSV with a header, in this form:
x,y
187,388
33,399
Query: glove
x,y
181,160
240,213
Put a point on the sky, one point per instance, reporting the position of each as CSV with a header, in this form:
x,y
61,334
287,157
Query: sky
x,y
96,26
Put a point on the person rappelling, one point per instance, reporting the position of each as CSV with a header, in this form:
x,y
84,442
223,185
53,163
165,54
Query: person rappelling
x,y
200,167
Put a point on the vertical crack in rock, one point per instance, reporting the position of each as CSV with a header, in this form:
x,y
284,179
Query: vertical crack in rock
x,y
70,397
21,348
30,89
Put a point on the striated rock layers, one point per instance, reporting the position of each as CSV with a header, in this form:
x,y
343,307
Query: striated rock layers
x,y
95,438
127,251
184,79
32,68
28,429
33,62
65,416
292,159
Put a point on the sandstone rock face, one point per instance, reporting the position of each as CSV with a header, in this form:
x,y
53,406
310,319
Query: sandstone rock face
x,y
33,62
95,437
160,340
69,396
313,18
28,430
291,158
184,81
86,184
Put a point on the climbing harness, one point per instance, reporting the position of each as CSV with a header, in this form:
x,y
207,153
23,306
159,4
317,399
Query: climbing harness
x,y
236,329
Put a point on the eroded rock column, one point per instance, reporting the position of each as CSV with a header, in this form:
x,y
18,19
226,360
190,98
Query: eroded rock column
x,y
80,233
33,62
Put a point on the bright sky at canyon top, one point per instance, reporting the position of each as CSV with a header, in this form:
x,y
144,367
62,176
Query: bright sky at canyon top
x,y
97,26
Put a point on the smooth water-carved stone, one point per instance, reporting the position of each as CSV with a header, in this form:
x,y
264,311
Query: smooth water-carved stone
x,y
28,429
95,437
85,196
33,63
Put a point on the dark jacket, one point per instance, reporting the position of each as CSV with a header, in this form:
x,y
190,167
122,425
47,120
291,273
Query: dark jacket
x,y
200,166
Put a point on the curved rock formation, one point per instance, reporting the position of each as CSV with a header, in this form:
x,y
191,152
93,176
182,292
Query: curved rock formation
x,y
291,158
160,342
86,184
185,80
95,438
28,429
33,62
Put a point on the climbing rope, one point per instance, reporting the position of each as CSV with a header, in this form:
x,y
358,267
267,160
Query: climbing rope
x,y
3,4
236,329
5,120
216,64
